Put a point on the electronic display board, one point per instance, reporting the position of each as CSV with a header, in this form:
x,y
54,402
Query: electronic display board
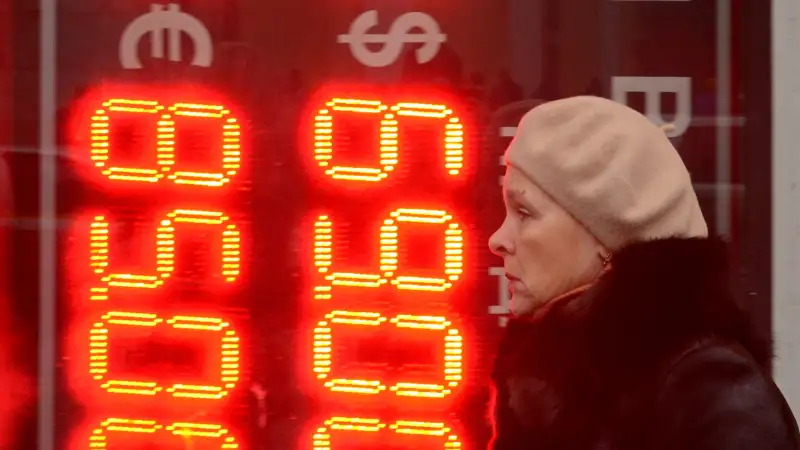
x,y
272,217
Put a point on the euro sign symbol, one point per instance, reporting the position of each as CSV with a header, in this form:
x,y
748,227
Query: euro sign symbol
x,y
393,42
156,22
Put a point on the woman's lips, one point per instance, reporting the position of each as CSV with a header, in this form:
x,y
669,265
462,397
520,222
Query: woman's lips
x,y
514,282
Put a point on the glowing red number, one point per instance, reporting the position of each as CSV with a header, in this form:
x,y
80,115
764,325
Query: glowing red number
x,y
165,254
391,269
389,245
103,437
323,346
323,436
99,360
101,139
324,147
160,127
164,124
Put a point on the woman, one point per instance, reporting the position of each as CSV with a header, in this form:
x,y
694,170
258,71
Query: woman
x,y
626,334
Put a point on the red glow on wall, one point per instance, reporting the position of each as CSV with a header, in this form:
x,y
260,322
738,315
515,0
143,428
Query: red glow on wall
x,y
19,386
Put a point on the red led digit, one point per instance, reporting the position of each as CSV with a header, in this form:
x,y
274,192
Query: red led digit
x,y
323,437
114,433
139,140
388,136
156,119
323,351
453,142
452,365
323,256
161,126
453,244
231,145
324,146
100,364
99,250
390,270
323,354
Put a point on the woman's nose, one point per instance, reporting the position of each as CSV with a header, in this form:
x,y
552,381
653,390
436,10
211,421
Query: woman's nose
x,y
499,243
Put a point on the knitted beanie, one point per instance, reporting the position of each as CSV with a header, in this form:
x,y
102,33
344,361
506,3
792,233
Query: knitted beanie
x,y
610,167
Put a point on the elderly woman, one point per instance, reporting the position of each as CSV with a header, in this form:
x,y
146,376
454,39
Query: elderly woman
x,y
626,334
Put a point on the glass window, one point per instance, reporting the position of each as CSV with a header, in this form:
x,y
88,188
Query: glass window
x,y
264,224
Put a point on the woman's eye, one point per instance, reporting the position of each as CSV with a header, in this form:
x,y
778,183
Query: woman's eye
x,y
524,213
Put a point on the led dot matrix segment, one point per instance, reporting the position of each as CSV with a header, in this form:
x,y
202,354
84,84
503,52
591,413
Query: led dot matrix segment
x,y
389,247
114,431
323,343
164,122
392,273
100,336
340,428
165,251
160,128
390,148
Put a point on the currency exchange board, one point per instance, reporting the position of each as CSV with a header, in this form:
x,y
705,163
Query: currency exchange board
x,y
268,220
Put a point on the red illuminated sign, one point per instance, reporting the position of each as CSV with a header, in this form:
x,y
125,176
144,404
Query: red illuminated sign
x,y
101,335
338,286
163,124
130,302
390,140
389,243
136,432
352,430
129,305
165,251
452,343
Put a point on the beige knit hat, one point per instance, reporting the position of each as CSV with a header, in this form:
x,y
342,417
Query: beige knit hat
x,y
611,168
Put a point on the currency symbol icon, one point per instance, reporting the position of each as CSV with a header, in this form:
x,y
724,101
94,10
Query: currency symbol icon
x,y
399,35
156,22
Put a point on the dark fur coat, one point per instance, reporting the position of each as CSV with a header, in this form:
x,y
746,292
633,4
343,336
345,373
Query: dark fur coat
x,y
656,355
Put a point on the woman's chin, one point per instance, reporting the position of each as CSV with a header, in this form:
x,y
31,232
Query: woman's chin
x,y
522,306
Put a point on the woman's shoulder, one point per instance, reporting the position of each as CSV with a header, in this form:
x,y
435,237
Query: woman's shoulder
x,y
714,361
716,391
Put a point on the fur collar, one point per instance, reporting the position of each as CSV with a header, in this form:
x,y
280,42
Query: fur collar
x,y
659,298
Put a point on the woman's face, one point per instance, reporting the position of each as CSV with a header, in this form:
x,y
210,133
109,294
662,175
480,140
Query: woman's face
x,y
546,252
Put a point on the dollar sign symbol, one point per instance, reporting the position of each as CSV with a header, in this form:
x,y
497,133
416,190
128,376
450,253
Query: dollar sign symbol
x,y
156,22
399,35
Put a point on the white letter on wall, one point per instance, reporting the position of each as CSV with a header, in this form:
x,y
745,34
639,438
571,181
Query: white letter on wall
x,y
653,87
